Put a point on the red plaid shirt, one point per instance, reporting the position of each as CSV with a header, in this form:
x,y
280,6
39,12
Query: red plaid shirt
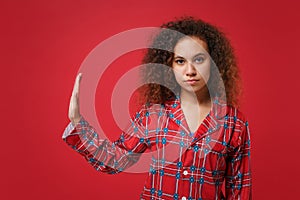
x,y
184,165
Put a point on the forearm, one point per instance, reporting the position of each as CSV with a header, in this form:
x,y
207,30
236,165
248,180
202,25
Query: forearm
x,y
103,155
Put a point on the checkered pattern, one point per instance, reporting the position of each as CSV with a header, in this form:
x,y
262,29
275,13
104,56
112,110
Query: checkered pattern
x,y
184,165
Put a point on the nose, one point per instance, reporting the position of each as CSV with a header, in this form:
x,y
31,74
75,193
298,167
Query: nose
x,y
191,70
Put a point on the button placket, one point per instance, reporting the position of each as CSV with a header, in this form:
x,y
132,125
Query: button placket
x,y
185,172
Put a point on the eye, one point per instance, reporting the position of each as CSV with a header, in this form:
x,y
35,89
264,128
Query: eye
x,y
179,61
199,60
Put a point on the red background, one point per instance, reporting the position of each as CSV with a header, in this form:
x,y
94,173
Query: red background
x,y
43,44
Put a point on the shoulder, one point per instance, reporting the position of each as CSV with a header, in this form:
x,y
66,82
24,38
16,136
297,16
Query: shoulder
x,y
149,110
231,117
226,111
237,115
166,106
238,122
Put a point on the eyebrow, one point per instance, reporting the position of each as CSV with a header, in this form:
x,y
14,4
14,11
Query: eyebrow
x,y
198,54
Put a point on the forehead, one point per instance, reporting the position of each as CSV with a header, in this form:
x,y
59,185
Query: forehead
x,y
189,46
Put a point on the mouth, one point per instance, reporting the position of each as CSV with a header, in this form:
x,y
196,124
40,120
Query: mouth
x,y
192,81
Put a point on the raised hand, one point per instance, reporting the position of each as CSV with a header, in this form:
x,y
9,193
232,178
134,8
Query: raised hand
x,y
74,112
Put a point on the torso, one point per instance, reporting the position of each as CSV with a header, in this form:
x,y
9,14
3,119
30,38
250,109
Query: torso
x,y
190,165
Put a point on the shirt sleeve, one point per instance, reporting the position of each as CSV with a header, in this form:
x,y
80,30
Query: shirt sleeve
x,y
104,155
238,181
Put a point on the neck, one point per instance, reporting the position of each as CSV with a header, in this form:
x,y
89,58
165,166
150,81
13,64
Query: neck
x,y
202,97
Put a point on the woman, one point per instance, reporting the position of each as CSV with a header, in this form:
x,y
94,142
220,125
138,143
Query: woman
x,y
191,120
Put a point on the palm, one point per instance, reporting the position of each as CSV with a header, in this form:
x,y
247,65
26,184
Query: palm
x,y
74,112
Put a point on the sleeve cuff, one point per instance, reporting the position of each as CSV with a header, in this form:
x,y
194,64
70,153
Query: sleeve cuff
x,y
70,128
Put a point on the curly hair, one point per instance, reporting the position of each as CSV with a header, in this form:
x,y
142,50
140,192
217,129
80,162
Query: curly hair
x,y
226,84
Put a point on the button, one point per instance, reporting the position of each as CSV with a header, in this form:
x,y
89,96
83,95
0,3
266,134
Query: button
x,y
183,198
185,172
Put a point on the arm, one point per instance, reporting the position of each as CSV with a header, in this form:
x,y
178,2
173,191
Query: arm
x,y
103,155
238,181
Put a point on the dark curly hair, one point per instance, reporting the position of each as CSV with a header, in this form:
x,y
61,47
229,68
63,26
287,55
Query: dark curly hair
x,y
226,84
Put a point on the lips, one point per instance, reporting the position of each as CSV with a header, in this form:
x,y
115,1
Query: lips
x,y
192,81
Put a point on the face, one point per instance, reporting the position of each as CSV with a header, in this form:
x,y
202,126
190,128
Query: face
x,y
191,64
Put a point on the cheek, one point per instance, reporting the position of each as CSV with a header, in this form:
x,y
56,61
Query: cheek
x,y
176,75
204,72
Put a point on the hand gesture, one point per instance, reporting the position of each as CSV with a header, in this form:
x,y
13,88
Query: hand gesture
x,y
74,113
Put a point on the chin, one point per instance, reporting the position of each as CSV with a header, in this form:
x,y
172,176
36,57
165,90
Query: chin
x,y
192,90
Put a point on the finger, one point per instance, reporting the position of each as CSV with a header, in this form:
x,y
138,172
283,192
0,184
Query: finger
x,y
77,85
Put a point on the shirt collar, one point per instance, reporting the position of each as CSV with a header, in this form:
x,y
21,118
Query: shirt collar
x,y
218,111
209,125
